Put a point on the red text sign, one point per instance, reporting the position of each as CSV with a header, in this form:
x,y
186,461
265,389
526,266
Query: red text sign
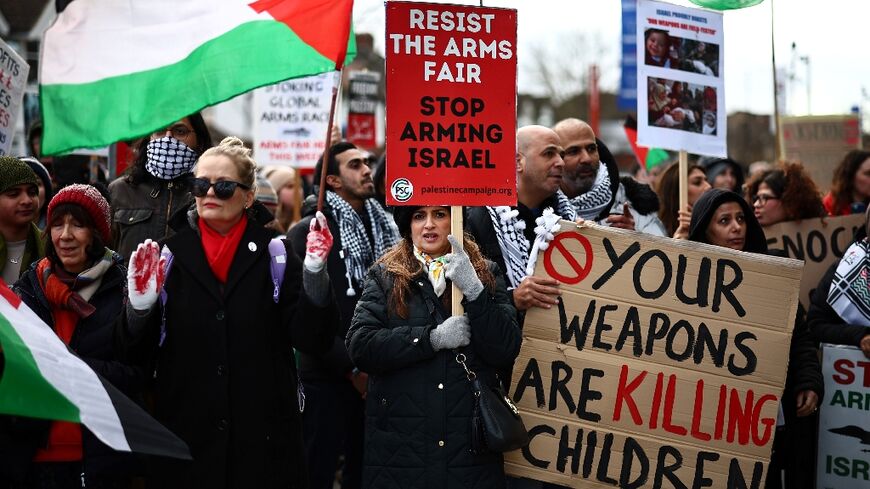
x,y
451,105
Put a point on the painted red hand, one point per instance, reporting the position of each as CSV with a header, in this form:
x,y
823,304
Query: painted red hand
x,y
143,275
318,243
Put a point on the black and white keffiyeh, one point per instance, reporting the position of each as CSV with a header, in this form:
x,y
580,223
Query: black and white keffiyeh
x,y
512,241
356,250
590,204
169,158
849,294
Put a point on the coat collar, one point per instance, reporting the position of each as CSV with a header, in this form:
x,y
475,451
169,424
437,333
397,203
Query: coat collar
x,y
186,246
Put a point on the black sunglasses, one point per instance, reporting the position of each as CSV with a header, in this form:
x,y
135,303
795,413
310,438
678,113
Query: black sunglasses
x,y
223,189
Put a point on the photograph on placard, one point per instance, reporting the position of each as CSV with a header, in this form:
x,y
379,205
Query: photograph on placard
x,y
667,51
682,106
681,81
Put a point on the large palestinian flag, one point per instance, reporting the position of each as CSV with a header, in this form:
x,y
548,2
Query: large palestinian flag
x,y
114,70
41,378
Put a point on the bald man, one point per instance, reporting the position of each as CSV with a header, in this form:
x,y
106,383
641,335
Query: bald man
x,y
505,234
591,181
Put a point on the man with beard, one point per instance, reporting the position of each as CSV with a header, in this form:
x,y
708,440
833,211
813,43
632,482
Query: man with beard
x,y
593,185
334,390
506,234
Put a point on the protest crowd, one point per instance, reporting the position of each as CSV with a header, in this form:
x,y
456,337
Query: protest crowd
x,y
295,343
362,301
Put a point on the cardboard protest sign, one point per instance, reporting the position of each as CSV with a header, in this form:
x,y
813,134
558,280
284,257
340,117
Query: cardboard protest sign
x,y
291,119
13,81
844,420
362,101
819,242
451,104
680,78
664,360
820,142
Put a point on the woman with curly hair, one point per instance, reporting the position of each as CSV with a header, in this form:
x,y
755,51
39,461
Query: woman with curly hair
x,y
419,404
851,184
784,193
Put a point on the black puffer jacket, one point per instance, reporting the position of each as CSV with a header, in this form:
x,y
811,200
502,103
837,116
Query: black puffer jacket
x,y
419,403
92,341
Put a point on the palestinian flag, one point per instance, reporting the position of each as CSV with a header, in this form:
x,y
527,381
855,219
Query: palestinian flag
x,y
114,70
41,378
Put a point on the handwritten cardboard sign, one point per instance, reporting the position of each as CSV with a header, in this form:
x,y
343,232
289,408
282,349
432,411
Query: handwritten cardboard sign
x,y
664,361
451,104
819,242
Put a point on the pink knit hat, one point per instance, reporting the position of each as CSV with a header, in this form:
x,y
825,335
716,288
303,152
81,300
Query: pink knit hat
x,y
91,200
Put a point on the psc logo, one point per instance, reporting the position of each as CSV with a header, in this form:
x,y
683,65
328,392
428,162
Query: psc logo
x,y
402,189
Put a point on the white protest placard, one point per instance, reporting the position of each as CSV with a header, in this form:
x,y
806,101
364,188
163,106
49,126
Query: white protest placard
x,y
843,460
13,81
291,119
680,78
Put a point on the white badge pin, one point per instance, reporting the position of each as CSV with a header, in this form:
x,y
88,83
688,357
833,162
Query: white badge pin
x,y
252,246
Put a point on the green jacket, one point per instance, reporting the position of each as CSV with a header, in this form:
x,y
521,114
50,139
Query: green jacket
x,y
33,250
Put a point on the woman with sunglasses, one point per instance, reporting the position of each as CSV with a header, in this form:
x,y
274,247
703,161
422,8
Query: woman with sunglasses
x,y
784,193
225,380
155,185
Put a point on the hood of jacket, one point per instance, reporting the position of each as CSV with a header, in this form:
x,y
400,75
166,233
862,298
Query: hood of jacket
x,y
705,207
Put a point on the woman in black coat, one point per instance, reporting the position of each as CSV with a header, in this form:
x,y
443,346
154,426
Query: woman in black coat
x,y
419,402
724,218
78,290
225,378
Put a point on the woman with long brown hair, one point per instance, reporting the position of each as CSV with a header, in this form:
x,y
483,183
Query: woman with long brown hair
x,y
419,402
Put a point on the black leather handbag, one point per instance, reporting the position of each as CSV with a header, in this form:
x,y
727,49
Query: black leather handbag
x,y
496,425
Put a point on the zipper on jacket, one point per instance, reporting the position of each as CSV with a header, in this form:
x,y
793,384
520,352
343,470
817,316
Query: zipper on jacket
x,y
168,210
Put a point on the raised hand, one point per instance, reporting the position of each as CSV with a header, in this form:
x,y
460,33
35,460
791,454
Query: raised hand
x,y
145,275
458,268
318,244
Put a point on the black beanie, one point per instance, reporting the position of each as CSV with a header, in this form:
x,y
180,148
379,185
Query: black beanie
x,y
402,215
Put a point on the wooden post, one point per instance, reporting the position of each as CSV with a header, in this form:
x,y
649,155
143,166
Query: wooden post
x,y
457,232
323,168
684,179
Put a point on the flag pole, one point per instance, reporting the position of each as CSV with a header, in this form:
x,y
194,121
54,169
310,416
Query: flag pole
x,y
778,152
323,165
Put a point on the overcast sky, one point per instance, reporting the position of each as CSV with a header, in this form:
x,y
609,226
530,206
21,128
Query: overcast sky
x,y
831,34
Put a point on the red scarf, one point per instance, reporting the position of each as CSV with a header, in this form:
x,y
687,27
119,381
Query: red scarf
x,y
64,438
220,250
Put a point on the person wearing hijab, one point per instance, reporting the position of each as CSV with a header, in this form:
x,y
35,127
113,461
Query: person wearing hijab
x,y
724,218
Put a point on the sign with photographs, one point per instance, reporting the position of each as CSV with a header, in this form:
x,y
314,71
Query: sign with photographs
x,y
680,82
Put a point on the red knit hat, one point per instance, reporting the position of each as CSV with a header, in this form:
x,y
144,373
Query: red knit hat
x,y
91,200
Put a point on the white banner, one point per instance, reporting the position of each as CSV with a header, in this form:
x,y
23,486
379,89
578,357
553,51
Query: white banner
x,y
291,119
844,420
680,79
13,81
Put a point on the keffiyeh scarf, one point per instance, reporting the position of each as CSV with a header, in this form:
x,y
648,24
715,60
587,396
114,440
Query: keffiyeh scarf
x,y
849,294
356,250
513,243
590,204
169,158
434,269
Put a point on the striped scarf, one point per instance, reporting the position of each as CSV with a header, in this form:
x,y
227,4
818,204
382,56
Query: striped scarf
x,y
849,294
590,204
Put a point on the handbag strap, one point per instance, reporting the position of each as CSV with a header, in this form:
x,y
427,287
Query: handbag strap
x,y
438,317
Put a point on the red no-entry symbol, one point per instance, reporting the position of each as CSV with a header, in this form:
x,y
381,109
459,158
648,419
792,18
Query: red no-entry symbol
x,y
580,271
